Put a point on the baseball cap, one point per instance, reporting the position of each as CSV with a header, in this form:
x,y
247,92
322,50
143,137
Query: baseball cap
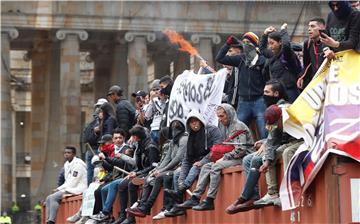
x,y
155,84
114,89
105,138
139,93
100,102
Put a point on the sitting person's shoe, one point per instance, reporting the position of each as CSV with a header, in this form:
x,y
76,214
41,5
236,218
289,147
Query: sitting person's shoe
x,y
91,221
160,215
243,207
76,217
175,211
129,220
100,217
230,209
267,200
136,212
119,220
83,220
205,205
193,201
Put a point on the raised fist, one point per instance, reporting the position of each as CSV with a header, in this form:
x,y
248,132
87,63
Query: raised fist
x,y
231,40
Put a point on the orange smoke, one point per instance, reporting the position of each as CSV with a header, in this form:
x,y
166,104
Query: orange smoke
x,y
176,38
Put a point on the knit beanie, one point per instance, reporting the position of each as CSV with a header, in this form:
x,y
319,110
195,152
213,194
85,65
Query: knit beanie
x,y
252,37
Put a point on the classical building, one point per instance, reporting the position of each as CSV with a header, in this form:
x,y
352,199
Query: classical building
x,y
58,57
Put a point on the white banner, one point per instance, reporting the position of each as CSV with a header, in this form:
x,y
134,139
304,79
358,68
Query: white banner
x,y
89,200
196,92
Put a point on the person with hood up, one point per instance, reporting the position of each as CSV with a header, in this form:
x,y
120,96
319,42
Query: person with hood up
x,y
251,80
210,173
154,181
201,138
343,28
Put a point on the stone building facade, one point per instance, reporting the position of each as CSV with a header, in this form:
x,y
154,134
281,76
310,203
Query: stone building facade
x,y
44,110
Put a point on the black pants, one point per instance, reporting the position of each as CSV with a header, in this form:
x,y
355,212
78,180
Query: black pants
x,y
151,190
98,200
123,191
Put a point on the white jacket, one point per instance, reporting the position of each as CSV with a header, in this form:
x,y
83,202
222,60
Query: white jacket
x,y
75,176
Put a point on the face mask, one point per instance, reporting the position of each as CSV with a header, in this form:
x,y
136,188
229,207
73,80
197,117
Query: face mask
x,y
107,148
270,100
250,53
167,90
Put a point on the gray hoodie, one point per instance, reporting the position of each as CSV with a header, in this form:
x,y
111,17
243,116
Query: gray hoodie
x,y
234,126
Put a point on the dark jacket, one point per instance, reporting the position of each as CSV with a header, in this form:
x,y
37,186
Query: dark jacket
x,y
251,79
212,136
346,30
231,87
312,54
108,126
275,138
125,114
146,154
282,66
111,162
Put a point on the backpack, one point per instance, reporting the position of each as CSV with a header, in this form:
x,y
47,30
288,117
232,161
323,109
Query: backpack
x,y
89,135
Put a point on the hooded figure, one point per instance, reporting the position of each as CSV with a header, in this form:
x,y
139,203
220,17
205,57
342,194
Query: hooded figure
x,y
200,141
343,25
234,126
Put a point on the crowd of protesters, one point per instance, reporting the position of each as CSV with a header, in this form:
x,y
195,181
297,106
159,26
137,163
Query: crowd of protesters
x,y
129,146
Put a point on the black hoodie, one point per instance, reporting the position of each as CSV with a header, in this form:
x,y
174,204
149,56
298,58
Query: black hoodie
x,y
343,25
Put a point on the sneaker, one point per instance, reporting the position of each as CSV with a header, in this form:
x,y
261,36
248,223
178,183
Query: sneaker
x,y
119,220
100,217
136,212
74,218
91,221
134,205
161,215
267,200
193,201
175,211
83,220
205,205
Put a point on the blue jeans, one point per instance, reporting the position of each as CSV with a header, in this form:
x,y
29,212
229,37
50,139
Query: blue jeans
x,y
108,195
187,175
251,165
154,134
247,110
90,167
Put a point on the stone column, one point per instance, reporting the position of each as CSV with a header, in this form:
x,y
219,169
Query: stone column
x,y
70,105
137,59
162,64
46,151
7,34
204,44
102,58
119,72
181,63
